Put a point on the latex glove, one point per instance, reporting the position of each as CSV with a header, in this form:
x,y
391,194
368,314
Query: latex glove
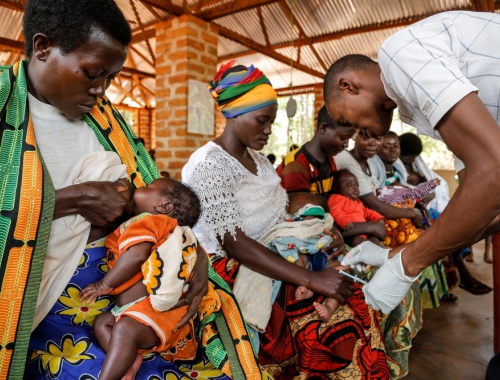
x,y
366,253
389,285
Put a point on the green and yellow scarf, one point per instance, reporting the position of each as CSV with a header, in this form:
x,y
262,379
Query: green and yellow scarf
x,y
27,199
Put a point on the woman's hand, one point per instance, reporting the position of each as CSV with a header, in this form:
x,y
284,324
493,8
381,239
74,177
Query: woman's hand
x,y
198,288
100,203
378,230
336,244
417,219
92,291
425,200
330,283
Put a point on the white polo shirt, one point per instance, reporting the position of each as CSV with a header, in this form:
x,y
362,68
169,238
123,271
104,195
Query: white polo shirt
x,y
430,66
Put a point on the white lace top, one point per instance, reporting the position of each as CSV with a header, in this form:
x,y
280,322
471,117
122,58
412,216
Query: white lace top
x,y
232,197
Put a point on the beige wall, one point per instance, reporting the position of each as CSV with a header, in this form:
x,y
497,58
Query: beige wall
x,y
449,177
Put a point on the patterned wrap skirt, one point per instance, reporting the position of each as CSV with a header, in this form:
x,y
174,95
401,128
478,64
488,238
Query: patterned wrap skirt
x,y
297,344
63,345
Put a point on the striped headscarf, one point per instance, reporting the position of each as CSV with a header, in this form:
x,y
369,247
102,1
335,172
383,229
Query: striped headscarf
x,y
238,89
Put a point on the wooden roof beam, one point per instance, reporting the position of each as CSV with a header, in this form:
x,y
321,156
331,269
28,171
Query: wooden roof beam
x,y
231,35
234,6
166,5
295,90
288,12
256,47
144,35
263,26
146,59
126,93
7,44
129,70
483,5
335,35
12,5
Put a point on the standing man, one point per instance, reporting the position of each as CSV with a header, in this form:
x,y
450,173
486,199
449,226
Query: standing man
x,y
443,73
310,168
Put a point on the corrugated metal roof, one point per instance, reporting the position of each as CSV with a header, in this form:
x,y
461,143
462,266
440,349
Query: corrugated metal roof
x,y
227,47
245,23
366,43
277,72
317,18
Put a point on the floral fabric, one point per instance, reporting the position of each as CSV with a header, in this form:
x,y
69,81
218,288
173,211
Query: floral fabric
x,y
64,347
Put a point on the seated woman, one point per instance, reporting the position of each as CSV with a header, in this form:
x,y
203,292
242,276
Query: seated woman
x,y
411,148
404,322
390,171
54,107
242,199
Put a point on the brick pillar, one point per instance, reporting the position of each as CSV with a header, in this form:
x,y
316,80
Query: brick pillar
x,y
186,48
319,101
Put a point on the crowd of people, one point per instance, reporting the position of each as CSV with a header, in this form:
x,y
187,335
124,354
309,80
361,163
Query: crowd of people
x,y
111,270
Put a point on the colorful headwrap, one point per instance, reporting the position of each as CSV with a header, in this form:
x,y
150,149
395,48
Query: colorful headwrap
x,y
240,89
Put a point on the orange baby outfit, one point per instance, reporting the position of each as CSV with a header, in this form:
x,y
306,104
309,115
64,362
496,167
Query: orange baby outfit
x,y
181,344
345,211
141,228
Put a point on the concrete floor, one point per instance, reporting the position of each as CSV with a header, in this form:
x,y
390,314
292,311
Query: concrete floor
x,y
456,340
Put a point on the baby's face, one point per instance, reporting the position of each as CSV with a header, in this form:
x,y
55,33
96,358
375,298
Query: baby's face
x,y
149,199
348,186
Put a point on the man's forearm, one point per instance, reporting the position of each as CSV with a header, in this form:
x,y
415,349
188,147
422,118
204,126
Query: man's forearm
x,y
473,135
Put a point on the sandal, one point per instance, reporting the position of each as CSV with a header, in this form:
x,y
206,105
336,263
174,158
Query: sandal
x,y
477,289
450,297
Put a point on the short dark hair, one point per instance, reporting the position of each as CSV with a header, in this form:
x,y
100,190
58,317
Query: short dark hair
x,y
271,157
351,62
324,118
392,133
69,24
337,175
410,144
187,206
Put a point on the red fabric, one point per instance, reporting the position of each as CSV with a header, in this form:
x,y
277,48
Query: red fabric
x,y
345,210
297,343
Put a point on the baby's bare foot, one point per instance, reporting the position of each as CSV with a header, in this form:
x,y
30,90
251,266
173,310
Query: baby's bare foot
x,y
303,293
488,258
325,312
132,371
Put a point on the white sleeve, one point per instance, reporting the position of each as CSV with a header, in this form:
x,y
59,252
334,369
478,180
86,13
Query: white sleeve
x,y
459,164
421,65
214,182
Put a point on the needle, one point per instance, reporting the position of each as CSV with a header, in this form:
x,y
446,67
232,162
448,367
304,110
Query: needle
x,y
353,277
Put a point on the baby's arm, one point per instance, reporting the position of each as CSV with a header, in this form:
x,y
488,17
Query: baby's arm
x,y
340,216
373,216
420,191
127,266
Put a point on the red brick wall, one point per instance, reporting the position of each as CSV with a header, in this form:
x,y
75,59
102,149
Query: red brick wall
x,y
186,48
